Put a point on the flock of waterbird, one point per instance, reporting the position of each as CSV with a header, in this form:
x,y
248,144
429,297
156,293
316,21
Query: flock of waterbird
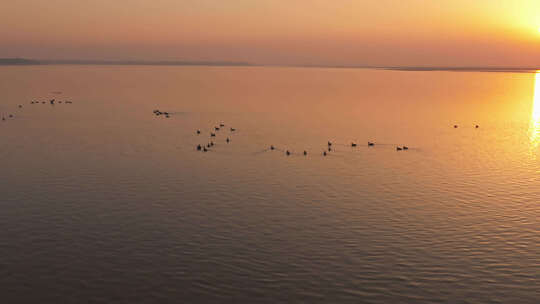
x,y
328,149
35,102
220,126
206,147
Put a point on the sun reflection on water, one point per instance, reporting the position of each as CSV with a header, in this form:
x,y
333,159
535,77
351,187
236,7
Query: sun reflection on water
x,y
534,126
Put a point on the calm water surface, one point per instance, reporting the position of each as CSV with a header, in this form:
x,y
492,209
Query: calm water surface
x,y
103,202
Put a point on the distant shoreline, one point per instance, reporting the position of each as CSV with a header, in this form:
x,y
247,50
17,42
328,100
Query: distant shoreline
x,y
467,69
24,61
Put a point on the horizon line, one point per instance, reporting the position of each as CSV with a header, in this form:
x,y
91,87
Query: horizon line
x,y
25,61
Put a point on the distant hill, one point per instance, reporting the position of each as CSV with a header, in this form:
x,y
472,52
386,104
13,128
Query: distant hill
x,y
141,62
22,61
17,61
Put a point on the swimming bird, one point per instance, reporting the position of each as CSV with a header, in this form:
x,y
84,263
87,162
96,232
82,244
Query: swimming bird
x,y
199,147
32,102
329,149
216,128
477,126
211,143
198,131
222,125
305,152
288,153
233,129
204,149
3,118
228,140
10,116
329,144
213,134
324,153
20,106
353,145
208,145
405,148
455,126
370,144
272,148
398,149
51,101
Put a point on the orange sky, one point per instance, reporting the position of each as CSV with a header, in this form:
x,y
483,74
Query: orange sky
x,y
324,32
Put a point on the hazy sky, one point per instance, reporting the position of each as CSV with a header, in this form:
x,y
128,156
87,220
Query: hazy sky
x,y
328,32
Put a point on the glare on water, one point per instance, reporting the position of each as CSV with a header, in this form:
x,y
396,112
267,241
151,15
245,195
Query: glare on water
x,y
534,127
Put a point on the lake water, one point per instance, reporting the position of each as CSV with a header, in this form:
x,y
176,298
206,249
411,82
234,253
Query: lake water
x,y
104,202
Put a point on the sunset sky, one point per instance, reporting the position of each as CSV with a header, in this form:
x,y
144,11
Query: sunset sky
x,y
316,32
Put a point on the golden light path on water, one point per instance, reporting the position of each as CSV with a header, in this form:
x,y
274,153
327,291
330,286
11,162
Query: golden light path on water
x,y
534,126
